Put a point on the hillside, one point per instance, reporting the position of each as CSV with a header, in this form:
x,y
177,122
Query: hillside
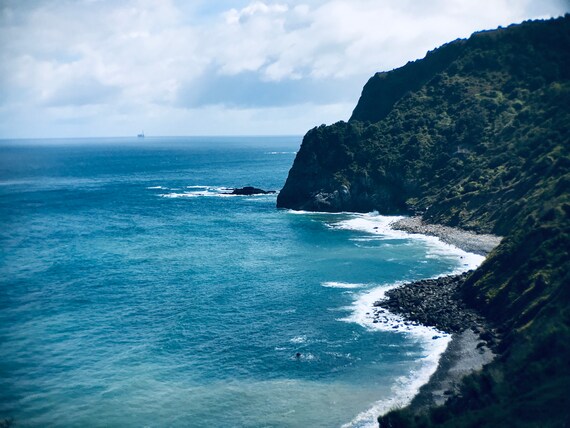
x,y
475,135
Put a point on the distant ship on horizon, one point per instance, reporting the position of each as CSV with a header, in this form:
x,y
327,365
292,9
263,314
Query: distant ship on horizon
x,y
141,135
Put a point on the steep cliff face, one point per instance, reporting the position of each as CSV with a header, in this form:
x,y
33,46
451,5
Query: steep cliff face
x,y
476,135
460,136
330,174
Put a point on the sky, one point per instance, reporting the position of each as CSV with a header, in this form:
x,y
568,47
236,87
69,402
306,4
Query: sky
x,y
96,68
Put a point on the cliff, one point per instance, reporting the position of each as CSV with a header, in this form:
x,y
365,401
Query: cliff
x,y
475,135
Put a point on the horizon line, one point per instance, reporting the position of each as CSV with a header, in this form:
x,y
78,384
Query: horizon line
x,y
154,136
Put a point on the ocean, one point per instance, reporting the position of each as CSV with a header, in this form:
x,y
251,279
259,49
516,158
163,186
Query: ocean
x,y
135,292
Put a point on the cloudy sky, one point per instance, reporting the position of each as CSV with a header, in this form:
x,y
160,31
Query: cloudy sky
x,y
81,68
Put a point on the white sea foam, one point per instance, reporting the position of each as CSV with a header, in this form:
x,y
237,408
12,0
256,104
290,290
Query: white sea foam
x,y
298,339
307,357
367,239
155,187
437,249
363,310
280,153
364,313
334,284
372,223
207,191
402,393
379,227
302,212
433,341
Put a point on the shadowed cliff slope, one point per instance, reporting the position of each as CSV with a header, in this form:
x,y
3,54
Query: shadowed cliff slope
x,y
476,135
461,144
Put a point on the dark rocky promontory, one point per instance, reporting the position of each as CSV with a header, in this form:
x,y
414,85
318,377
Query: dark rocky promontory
x,y
435,303
476,135
249,190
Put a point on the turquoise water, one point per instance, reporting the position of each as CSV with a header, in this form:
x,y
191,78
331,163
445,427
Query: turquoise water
x,y
134,293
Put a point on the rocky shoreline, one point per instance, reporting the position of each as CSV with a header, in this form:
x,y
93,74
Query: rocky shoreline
x,y
470,242
433,303
438,303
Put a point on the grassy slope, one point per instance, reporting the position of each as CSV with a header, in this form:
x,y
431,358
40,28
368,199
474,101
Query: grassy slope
x,y
465,146
476,135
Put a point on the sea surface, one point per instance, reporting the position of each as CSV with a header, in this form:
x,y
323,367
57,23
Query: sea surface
x,y
135,292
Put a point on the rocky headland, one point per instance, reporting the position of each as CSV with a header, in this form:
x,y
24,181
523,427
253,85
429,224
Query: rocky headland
x,y
475,136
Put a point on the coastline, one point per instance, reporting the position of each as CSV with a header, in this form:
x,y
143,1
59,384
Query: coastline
x,y
471,242
437,303
463,348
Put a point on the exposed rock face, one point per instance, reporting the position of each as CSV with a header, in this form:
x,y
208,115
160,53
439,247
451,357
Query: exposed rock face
x,y
248,190
460,137
320,180
477,136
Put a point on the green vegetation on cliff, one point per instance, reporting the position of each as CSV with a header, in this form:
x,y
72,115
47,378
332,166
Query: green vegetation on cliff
x,y
476,135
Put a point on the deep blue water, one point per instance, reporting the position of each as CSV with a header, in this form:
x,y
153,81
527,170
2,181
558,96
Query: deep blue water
x,y
132,293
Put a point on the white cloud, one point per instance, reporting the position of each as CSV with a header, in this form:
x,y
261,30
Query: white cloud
x,y
117,62
137,47
235,16
343,38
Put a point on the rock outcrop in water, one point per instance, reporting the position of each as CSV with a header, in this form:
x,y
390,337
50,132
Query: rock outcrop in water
x,y
249,190
476,135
